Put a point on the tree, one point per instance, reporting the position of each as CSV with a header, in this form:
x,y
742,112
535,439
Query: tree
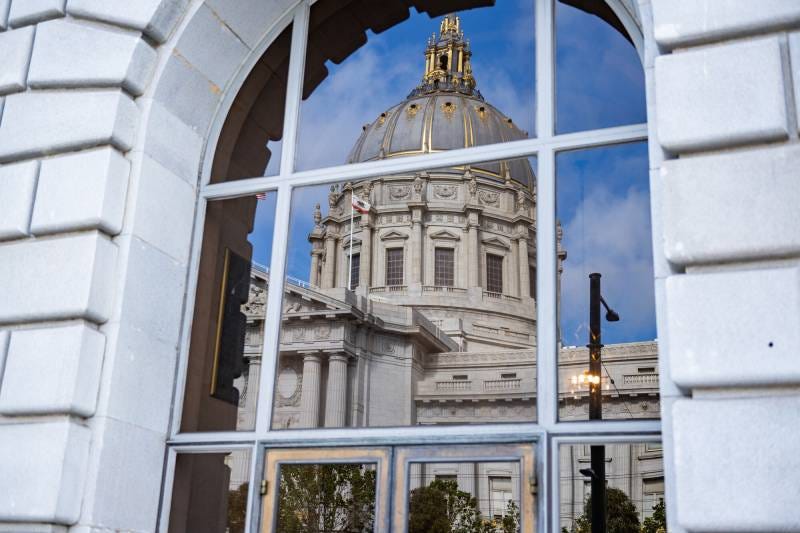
x,y
658,522
621,515
326,498
237,508
441,507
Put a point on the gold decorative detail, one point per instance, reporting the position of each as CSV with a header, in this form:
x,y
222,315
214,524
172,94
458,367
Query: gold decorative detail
x,y
448,108
509,123
412,110
481,109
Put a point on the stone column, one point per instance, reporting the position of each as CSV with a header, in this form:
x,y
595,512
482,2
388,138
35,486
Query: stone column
x,y
336,396
329,269
366,255
473,261
524,270
309,398
416,250
314,275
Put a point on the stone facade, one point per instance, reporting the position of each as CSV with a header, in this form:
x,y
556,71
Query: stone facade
x,y
723,92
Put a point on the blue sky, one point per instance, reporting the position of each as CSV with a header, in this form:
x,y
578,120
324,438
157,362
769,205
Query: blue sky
x,y
600,83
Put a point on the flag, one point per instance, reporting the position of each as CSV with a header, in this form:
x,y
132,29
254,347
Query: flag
x,y
360,205
261,196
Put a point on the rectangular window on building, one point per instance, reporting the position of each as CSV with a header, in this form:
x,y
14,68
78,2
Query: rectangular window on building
x,y
500,495
355,270
444,267
394,266
494,273
532,281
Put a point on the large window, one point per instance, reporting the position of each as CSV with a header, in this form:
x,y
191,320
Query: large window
x,y
409,219
494,273
444,267
394,267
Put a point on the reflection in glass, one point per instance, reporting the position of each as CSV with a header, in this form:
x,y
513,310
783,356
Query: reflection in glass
x,y
250,140
469,497
599,76
227,331
326,498
603,206
438,325
412,89
209,492
634,488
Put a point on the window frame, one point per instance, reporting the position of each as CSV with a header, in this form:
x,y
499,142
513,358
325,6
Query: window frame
x,y
547,433
448,264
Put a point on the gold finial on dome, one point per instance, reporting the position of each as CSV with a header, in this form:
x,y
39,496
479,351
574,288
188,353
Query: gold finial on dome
x,y
447,61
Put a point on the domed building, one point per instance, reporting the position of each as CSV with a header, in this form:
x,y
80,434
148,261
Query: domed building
x,y
420,304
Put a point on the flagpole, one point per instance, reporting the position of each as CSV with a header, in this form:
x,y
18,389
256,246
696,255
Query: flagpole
x,y
350,261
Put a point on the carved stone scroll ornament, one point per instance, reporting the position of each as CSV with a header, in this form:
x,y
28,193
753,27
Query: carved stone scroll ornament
x,y
488,197
399,192
444,191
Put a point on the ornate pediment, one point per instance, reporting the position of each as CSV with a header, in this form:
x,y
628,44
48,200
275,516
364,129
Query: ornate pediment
x,y
445,235
494,241
393,235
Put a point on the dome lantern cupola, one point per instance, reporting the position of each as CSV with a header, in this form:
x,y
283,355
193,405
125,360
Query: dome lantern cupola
x,y
447,62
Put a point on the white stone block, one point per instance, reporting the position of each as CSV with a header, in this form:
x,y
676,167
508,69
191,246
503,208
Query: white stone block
x,y
5,5
65,55
736,464
152,297
43,471
24,12
15,49
746,203
724,95
172,142
734,328
164,210
58,278
4,335
65,362
17,187
43,123
187,93
20,527
138,377
81,191
211,47
125,466
250,19
156,18
682,22
794,51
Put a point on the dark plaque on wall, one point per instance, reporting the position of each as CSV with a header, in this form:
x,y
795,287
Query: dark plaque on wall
x,y
229,360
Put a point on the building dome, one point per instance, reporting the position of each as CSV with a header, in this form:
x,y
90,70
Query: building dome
x,y
444,112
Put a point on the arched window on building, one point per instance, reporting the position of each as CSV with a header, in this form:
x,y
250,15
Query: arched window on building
x,y
392,303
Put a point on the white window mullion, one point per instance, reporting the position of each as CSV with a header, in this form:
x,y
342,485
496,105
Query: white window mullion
x,y
547,288
272,322
294,88
545,68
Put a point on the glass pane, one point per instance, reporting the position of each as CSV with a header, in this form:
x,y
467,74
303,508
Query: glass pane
x,y
326,498
209,492
375,90
250,141
385,352
603,206
227,329
464,496
599,77
630,475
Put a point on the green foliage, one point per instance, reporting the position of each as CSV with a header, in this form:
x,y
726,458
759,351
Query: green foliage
x,y
658,522
326,498
237,508
621,515
442,508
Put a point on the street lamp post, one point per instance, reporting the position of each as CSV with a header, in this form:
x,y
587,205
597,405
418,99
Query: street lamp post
x,y
598,453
